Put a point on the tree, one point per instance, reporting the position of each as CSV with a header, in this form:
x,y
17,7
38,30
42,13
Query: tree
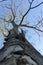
x,y
17,14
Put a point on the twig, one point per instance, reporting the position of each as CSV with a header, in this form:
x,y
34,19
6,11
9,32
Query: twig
x,y
37,5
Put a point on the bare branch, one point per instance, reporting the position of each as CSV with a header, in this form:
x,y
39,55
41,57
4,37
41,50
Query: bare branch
x,y
29,10
33,27
30,1
11,11
24,16
38,22
37,5
10,8
12,21
26,12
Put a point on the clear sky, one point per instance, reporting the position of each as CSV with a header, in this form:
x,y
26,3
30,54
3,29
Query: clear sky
x,y
33,16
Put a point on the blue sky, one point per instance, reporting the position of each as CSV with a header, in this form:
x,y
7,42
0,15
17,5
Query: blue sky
x,y
32,16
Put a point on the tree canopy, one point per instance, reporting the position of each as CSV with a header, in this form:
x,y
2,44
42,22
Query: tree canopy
x,y
21,14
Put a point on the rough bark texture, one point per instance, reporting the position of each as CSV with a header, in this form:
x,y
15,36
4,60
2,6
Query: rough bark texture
x,y
17,52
